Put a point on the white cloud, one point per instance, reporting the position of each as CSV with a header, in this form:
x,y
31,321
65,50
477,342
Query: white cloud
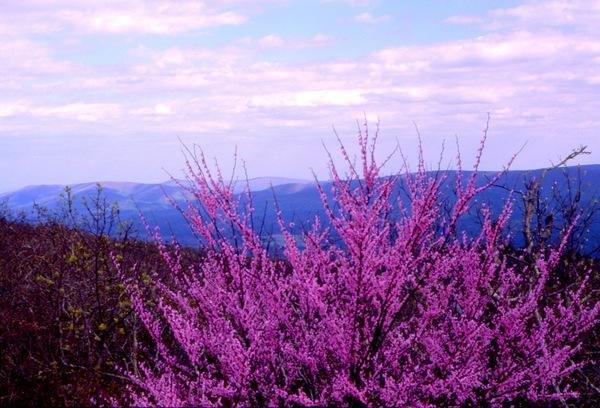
x,y
21,56
537,75
85,112
162,109
310,99
276,41
354,3
160,18
464,19
553,12
578,14
495,48
8,110
271,40
368,18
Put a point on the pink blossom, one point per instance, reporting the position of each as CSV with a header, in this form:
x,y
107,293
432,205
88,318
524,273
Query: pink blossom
x,y
402,311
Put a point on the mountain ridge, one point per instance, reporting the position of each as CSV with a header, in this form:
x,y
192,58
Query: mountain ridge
x,y
298,200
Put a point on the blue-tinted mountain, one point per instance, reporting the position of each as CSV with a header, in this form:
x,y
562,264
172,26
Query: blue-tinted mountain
x,y
299,200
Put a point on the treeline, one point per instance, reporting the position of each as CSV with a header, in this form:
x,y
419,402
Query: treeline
x,y
67,330
386,305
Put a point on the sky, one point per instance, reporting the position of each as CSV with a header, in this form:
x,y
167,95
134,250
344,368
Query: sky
x,y
111,90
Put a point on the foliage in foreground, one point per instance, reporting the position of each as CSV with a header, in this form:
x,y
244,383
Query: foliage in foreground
x,y
398,312
66,327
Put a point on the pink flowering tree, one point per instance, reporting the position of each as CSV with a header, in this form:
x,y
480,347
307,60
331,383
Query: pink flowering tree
x,y
402,310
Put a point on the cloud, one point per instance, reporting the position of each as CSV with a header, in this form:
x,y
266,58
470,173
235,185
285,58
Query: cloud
x,y
354,3
162,109
271,40
497,49
537,75
464,20
553,12
368,18
8,110
578,14
148,18
21,56
85,112
276,41
156,17
330,97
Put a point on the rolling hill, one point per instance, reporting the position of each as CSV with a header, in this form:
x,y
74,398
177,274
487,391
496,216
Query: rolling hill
x,y
299,199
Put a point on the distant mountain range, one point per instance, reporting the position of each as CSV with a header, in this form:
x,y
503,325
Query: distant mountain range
x,y
153,200
129,195
298,200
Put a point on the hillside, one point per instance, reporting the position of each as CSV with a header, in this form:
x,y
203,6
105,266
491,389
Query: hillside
x,y
299,200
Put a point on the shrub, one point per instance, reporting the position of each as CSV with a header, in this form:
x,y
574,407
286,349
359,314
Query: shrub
x,y
400,311
66,323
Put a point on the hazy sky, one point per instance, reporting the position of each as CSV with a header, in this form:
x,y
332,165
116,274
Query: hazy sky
x,y
105,90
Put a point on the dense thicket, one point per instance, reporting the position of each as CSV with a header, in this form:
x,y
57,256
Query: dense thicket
x,y
399,311
66,327
394,311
